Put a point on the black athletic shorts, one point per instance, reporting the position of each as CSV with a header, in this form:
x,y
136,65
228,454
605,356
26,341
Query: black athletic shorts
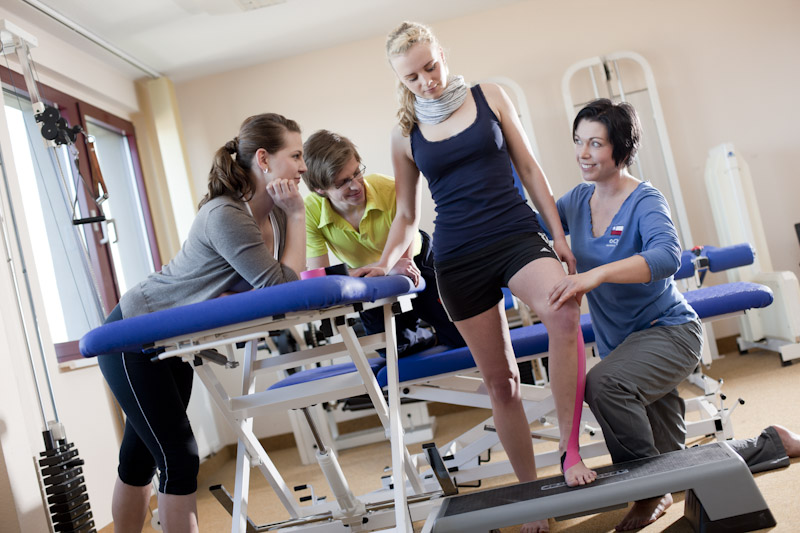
x,y
471,284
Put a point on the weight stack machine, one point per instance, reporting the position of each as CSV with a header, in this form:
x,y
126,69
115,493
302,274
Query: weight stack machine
x,y
59,466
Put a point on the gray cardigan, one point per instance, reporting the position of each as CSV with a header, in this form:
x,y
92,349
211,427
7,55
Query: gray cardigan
x,y
224,250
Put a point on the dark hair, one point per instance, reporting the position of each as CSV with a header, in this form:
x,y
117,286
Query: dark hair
x,y
230,171
325,154
622,125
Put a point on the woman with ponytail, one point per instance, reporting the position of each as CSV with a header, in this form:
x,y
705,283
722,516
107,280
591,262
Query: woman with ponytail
x,y
249,232
464,141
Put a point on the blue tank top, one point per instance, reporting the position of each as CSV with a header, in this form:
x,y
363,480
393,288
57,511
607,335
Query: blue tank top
x,y
472,184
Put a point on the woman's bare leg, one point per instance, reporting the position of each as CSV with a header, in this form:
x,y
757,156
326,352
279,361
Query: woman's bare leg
x,y
178,513
129,506
487,338
532,285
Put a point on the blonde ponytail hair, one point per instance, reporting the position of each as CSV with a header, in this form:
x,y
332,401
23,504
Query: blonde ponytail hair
x,y
399,41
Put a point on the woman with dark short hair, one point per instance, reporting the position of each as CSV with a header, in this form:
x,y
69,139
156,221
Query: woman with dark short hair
x,y
648,336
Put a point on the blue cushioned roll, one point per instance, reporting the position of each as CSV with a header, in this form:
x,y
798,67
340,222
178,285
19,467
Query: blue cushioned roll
x,y
687,265
729,257
719,259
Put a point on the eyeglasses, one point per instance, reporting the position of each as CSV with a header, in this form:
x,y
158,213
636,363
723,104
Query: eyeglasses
x,y
347,181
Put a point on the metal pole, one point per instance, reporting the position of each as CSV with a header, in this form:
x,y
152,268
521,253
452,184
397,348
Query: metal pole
x,y
10,263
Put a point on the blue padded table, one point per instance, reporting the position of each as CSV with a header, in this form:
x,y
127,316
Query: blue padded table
x,y
709,302
208,331
714,302
143,332
437,375
446,375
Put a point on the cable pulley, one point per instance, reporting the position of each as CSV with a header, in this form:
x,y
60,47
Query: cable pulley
x,y
55,128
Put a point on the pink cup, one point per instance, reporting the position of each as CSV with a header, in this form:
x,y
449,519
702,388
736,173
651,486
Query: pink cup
x,y
313,273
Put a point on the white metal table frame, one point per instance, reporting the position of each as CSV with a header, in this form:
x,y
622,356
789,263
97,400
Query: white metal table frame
x,y
240,410
412,497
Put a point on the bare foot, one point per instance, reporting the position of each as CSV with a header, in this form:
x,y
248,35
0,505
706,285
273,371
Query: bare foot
x,y
645,512
542,526
579,474
790,440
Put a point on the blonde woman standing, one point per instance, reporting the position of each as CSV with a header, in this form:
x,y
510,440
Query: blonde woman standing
x,y
464,141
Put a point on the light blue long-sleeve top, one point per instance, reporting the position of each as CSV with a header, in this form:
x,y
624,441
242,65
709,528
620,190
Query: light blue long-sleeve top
x,y
642,226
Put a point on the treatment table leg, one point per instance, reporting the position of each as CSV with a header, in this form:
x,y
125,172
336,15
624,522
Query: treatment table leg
x,y
249,441
389,415
400,458
242,486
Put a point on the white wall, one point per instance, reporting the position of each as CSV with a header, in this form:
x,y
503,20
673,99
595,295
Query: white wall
x,y
68,68
84,405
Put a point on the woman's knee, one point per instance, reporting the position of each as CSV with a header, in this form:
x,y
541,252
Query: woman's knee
x,y
594,385
562,322
504,389
179,475
600,386
606,390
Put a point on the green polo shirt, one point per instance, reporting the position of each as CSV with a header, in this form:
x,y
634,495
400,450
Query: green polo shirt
x,y
325,228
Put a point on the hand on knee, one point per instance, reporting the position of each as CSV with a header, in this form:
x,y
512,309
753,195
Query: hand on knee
x,y
564,321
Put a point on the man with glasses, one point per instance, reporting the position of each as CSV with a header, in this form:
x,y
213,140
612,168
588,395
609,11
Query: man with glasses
x,y
350,213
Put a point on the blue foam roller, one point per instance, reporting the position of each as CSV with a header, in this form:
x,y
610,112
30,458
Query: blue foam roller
x,y
729,257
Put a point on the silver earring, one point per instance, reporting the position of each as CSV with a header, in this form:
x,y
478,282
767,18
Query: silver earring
x,y
266,170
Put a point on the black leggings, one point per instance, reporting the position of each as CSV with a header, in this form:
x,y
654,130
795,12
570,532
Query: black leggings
x,y
154,396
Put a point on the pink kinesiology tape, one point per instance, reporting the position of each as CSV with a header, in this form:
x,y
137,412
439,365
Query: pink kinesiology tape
x,y
573,448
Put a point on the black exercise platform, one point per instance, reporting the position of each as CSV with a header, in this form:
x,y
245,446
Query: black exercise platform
x,y
721,494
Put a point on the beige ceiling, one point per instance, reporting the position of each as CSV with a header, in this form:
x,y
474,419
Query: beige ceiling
x,y
186,39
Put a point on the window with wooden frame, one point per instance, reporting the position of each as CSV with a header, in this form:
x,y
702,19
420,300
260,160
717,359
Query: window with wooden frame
x,y
57,189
